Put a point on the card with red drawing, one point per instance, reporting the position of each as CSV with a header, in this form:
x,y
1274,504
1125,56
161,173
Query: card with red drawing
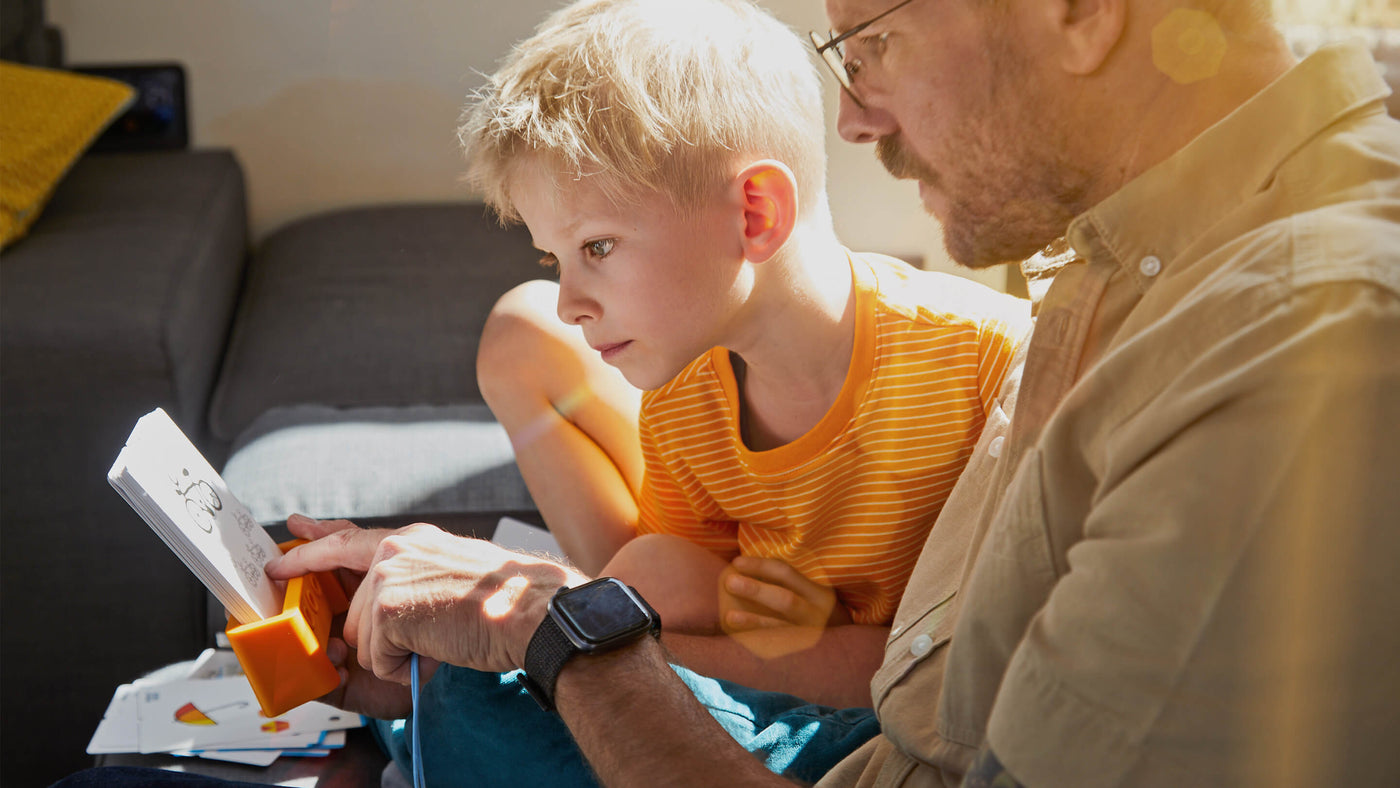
x,y
215,714
222,713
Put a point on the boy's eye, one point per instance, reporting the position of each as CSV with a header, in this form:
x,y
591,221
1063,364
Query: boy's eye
x,y
600,248
549,260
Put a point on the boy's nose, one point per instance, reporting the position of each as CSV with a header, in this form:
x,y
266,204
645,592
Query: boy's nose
x,y
574,307
856,123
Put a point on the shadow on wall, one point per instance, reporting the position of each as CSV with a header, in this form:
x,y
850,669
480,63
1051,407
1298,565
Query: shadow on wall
x,y
330,143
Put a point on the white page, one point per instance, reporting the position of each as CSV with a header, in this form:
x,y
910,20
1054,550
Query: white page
x,y
245,757
182,498
516,535
119,730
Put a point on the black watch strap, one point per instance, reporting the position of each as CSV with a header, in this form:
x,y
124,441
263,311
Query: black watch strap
x,y
549,649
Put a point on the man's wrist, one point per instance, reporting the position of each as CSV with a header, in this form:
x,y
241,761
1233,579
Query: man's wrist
x,y
586,620
603,669
530,608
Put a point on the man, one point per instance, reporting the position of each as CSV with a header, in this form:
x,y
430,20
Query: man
x,y
1185,577
1184,539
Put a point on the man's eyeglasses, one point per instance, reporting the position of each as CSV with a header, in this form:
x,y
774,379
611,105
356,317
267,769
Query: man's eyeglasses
x,y
832,54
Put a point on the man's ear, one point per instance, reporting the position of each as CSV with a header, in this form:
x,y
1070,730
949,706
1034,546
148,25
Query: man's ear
x,y
768,194
1087,30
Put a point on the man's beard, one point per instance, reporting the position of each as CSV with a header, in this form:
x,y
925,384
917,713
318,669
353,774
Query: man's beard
x,y
1010,184
994,216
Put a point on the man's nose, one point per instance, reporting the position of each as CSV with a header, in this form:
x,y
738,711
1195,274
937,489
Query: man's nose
x,y
862,123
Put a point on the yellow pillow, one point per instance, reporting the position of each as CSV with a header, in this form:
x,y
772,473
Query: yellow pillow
x,y
47,119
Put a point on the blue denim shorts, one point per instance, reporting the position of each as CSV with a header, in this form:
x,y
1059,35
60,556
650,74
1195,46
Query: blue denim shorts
x,y
482,729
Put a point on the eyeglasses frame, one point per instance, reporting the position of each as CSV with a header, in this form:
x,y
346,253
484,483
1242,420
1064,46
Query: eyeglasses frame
x,y
845,75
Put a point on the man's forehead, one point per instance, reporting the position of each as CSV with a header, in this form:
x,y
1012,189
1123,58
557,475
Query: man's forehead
x,y
845,14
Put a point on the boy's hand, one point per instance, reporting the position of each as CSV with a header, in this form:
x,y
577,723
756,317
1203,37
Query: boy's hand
x,y
758,593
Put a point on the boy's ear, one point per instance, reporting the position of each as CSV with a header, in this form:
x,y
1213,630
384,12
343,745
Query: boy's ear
x,y
768,191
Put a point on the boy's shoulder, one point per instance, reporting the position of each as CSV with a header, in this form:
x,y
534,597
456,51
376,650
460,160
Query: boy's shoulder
x,y
700,379
935,297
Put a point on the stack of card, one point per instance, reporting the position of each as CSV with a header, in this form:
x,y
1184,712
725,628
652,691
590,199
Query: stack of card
x,y
208,710
174,489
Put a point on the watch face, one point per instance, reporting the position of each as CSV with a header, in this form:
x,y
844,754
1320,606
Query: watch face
x,y
602,611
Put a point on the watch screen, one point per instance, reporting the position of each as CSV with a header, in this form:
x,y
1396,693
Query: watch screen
x,y
602,611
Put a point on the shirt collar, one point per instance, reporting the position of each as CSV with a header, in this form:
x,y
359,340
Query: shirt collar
x,y
1145,225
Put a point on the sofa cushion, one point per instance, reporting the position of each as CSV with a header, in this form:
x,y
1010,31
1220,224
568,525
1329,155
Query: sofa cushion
x,y
363,463
127,284
379,306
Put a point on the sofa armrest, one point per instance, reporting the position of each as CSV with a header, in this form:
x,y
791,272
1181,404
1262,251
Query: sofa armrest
x,y
117,301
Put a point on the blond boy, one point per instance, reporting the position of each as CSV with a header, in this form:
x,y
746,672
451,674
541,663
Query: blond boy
x,y
807,409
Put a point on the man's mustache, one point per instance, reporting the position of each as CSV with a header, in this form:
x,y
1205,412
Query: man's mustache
x,y
901,162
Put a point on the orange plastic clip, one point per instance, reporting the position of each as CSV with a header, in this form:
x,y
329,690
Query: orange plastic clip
x,y
284,656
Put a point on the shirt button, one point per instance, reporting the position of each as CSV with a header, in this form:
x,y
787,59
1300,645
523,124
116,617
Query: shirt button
x,y
1151,265
994,448
922,645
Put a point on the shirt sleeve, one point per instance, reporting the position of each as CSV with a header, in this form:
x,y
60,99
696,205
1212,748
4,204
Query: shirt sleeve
x,y
998,340
1227,607
664,506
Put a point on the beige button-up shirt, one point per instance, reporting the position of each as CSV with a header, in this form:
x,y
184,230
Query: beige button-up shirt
x,y
1179,563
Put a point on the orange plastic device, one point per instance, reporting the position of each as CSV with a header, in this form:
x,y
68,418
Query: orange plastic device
x,y
284,656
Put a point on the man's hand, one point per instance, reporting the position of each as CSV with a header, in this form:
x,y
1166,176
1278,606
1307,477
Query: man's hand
x,y
361,691
303,527
446,598
759,593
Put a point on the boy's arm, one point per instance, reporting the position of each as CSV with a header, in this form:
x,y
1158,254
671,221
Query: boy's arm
x,y
663,504
799,647
831,666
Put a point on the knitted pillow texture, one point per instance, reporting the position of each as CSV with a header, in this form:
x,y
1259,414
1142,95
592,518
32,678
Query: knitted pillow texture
x,y
48,119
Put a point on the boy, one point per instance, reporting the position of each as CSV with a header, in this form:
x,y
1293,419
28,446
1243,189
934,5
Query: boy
x,y
805,406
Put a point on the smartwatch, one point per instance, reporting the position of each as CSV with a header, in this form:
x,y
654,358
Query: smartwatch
x,y
598,616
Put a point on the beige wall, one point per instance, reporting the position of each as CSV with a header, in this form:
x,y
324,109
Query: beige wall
x,y
331,103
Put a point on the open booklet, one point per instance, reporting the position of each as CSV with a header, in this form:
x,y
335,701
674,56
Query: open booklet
x,y
175,490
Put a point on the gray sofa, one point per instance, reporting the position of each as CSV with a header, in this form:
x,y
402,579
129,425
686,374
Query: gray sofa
x,y
329,371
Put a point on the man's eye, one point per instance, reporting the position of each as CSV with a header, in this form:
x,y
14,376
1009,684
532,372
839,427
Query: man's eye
x,y
873,46
600,248
549,260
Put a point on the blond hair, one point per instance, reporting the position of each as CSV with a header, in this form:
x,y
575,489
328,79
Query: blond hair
x,y
665,95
